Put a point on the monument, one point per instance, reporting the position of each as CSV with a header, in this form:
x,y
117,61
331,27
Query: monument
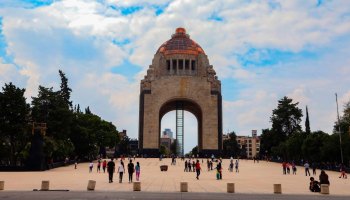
x,y
180,78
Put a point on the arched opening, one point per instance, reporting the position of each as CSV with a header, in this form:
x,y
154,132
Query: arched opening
x,y
168,131
191,108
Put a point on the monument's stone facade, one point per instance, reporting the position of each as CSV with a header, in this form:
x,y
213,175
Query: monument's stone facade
x,y
180,73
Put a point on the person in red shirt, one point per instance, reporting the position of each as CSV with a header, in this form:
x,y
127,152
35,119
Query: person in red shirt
x,y
198,169
104,165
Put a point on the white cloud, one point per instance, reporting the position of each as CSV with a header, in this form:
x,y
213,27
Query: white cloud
x,y
77,36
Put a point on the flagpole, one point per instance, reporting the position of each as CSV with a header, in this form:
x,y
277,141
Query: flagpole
x,y
341,150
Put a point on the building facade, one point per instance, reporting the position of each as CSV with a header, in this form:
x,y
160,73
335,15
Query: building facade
x,y
250,143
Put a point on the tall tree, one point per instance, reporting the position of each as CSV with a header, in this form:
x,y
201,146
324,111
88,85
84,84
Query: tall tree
x,y
230,146
65,90
14,114
307,123
286,117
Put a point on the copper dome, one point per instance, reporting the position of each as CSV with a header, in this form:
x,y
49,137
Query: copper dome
x,y
180,43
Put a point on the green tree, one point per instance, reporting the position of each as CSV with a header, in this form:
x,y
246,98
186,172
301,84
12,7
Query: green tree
x,y
286,118
163,150
194,151
173,147
230,146
14,115
307,123
65,90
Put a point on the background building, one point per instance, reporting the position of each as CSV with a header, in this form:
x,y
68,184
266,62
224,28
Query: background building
x,y
250,143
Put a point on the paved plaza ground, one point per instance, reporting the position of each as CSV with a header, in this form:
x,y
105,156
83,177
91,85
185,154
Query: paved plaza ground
x,y
253,178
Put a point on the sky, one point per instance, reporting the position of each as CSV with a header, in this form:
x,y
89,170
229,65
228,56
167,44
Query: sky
x,y
261,51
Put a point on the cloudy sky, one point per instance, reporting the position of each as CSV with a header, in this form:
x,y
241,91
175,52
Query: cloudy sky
x,y
261,50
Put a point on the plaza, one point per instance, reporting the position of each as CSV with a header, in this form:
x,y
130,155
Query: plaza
x,y
253,178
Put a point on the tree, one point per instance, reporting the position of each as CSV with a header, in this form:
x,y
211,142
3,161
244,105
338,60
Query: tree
x,y
230,146
286,117
307,123
65,90
173,147
163,150
14,115
194,151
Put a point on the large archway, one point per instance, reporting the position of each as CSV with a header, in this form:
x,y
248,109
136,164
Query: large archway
x,y
180,74
186,105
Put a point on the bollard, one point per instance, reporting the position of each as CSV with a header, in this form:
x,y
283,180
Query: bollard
x,y
2,185
183,187
137,186
91,185
324,189
45,185
277,188
230,188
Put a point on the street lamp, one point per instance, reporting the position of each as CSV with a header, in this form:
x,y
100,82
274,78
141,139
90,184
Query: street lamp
x,y
341,150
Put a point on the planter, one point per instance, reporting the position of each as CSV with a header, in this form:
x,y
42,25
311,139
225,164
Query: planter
x,y
164,168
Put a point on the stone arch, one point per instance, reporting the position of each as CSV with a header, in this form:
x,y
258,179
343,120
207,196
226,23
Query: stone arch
x,y
188,105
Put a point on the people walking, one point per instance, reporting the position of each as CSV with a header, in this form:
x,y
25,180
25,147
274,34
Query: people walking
x,y
193,166
91,165
231,166
185,170
294,168
198,169
104,165
99,165
121,171
307,166
189,166
342,171
137,170
130,170
236,166
110,169
219,169
314,167
284,167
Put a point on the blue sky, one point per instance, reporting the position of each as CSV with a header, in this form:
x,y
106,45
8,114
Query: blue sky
x,y
261,51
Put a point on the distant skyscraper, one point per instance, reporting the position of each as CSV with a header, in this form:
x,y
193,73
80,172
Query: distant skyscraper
x,y
168,133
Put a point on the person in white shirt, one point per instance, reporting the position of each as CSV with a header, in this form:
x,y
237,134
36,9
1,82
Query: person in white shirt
x,y
307,166
91,165
121,171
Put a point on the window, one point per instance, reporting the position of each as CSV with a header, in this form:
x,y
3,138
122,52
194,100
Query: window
x,y
168,65
187,64
181,64
193,64
174,64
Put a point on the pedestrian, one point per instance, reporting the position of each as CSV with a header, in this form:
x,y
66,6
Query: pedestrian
x,y
307,166
121,171
236,166
314,167
110,169
185,170
104,165
342,171
137,170
131,169
284,167
194,166
91,165
219,169
324,178
189,166
75,164
231,166
198,169
99,165
294,168
288,167
211,165
208,164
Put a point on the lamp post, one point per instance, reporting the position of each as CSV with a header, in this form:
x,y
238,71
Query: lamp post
x,y
341,150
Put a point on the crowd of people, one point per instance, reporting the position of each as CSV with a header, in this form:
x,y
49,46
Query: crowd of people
x,y
111,168
194,165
